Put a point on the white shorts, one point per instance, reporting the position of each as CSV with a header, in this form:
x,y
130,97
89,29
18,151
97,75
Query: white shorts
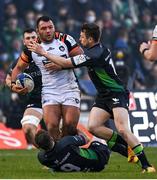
x,y
31,119
71,98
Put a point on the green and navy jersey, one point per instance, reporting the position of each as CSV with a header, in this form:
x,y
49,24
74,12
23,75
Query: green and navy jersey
x,y
101,69
67,156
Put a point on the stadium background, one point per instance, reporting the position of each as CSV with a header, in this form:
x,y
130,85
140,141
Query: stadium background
x,y
124,23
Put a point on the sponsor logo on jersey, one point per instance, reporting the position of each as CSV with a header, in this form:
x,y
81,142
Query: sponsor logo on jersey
x,y
62,48
71,40
79,59
77,101
50,48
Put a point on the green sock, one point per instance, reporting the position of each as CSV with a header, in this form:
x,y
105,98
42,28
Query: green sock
x,y
116,138
138,150
111,142
117,144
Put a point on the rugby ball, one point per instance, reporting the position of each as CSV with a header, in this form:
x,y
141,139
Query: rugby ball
x,y
25,80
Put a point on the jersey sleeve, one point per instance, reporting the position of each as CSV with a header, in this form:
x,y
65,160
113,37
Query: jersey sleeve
x,y
81,60
76,140
26,55
70,42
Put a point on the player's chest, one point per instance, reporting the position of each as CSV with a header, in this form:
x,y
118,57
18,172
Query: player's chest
x,y
56,47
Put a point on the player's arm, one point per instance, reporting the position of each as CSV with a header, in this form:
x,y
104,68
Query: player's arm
x,y
76,61
76,51
149,50
61,61
19,68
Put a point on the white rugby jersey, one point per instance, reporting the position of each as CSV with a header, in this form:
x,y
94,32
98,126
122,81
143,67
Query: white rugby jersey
x,y
62,45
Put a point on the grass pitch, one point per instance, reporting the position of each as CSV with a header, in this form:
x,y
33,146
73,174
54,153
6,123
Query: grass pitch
x,y
23,164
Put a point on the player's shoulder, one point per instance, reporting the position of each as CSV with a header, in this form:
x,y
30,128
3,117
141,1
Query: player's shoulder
x,y
64,37
26,51
104,51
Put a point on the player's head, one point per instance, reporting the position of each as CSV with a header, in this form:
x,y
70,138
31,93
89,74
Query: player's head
x,y
29,35
90,34
45,28
43,140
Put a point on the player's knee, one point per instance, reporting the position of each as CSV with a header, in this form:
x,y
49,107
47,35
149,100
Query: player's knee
x,y
53,128
123,132
27,128
29,133
69,130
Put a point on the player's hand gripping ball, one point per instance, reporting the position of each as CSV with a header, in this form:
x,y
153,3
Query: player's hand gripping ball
x,y
25,80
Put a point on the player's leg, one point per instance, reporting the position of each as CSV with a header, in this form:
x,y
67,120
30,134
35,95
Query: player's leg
x,y
121,123
70,112
30,121
52,116
97,118
70,117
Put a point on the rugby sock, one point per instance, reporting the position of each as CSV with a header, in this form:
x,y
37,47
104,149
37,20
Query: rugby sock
x,y
117,144
116,139
138,150
119,148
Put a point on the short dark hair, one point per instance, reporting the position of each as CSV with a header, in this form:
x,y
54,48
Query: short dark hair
x,y
43,18
91,30
43,140
29,30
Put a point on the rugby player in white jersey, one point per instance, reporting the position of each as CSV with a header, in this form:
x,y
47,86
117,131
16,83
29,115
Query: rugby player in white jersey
x,y
60,92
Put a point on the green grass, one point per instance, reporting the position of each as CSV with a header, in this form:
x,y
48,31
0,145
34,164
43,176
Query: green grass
x,y
23,164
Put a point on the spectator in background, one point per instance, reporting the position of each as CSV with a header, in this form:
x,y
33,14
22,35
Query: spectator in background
x,y
38,6
72,27
29,19
145,22
11,32
11,11
122,58
77,5
109,28
90,16
61,19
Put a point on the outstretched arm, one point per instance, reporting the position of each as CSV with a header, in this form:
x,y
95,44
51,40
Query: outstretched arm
x,y
63,62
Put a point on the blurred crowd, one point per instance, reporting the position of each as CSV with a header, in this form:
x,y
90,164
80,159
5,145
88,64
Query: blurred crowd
x,y
124,24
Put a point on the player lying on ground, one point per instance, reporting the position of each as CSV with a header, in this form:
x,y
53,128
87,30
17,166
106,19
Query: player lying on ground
x,y
66,155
